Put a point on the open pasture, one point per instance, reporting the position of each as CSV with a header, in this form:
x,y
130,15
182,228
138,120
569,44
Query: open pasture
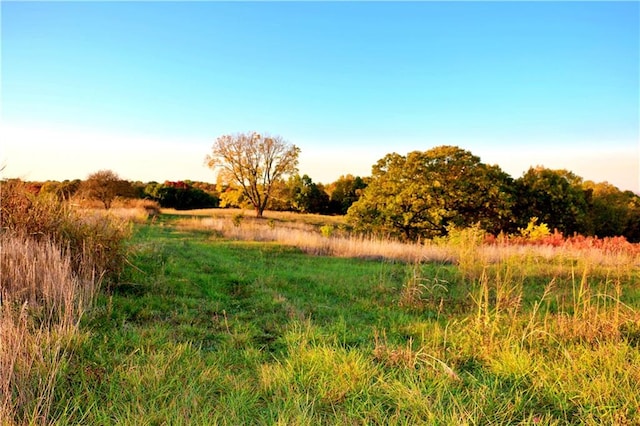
x,y
206,329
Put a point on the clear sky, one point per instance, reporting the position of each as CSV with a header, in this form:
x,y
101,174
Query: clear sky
x,y
144,88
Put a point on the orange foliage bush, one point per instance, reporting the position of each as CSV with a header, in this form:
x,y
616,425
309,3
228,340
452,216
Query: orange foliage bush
x,y
608,245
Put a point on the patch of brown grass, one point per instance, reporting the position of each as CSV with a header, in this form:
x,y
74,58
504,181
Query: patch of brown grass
x,y
467,250
271,216
52,261
310,239
42,299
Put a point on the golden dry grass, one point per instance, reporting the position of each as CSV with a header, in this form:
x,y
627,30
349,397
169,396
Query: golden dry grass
x,y
269,215
126,214
310,239
42,299
52,261
310,234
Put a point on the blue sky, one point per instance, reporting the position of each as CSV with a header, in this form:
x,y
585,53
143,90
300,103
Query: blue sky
x,y
144,88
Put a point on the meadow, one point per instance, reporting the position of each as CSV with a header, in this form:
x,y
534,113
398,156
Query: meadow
x,y
219,318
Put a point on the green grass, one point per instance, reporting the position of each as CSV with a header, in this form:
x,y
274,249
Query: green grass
x,y
202,330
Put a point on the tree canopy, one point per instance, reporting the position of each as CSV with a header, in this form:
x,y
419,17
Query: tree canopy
x,y
420,195
307,196
255,163
105,186
181,195
612,212
344,192
555,197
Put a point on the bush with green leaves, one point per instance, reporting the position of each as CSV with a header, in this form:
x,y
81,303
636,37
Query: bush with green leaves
x,y
180,195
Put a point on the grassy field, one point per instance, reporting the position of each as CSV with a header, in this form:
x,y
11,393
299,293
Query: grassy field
x,y
205,329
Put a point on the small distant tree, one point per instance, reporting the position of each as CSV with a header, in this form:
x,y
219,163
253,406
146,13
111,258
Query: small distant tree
x,y
180,195
62,190
307,196
68,188
105,186
344,192
255,163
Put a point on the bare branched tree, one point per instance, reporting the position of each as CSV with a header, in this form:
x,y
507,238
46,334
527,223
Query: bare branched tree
x,y
254,162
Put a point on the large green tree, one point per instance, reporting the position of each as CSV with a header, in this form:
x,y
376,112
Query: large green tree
x,y
253,162
555,197
423,193
612,212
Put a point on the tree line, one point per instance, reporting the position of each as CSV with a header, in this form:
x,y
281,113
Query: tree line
x,y
295,193
105,187
420,195
425,193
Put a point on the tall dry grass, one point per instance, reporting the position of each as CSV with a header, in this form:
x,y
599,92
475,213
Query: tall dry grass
x,y
42,301
465,247
269,215
88,237
52,262
326,240
134,210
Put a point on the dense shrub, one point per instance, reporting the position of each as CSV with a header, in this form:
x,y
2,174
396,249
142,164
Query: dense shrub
x,y
181,196
89,239
53,260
